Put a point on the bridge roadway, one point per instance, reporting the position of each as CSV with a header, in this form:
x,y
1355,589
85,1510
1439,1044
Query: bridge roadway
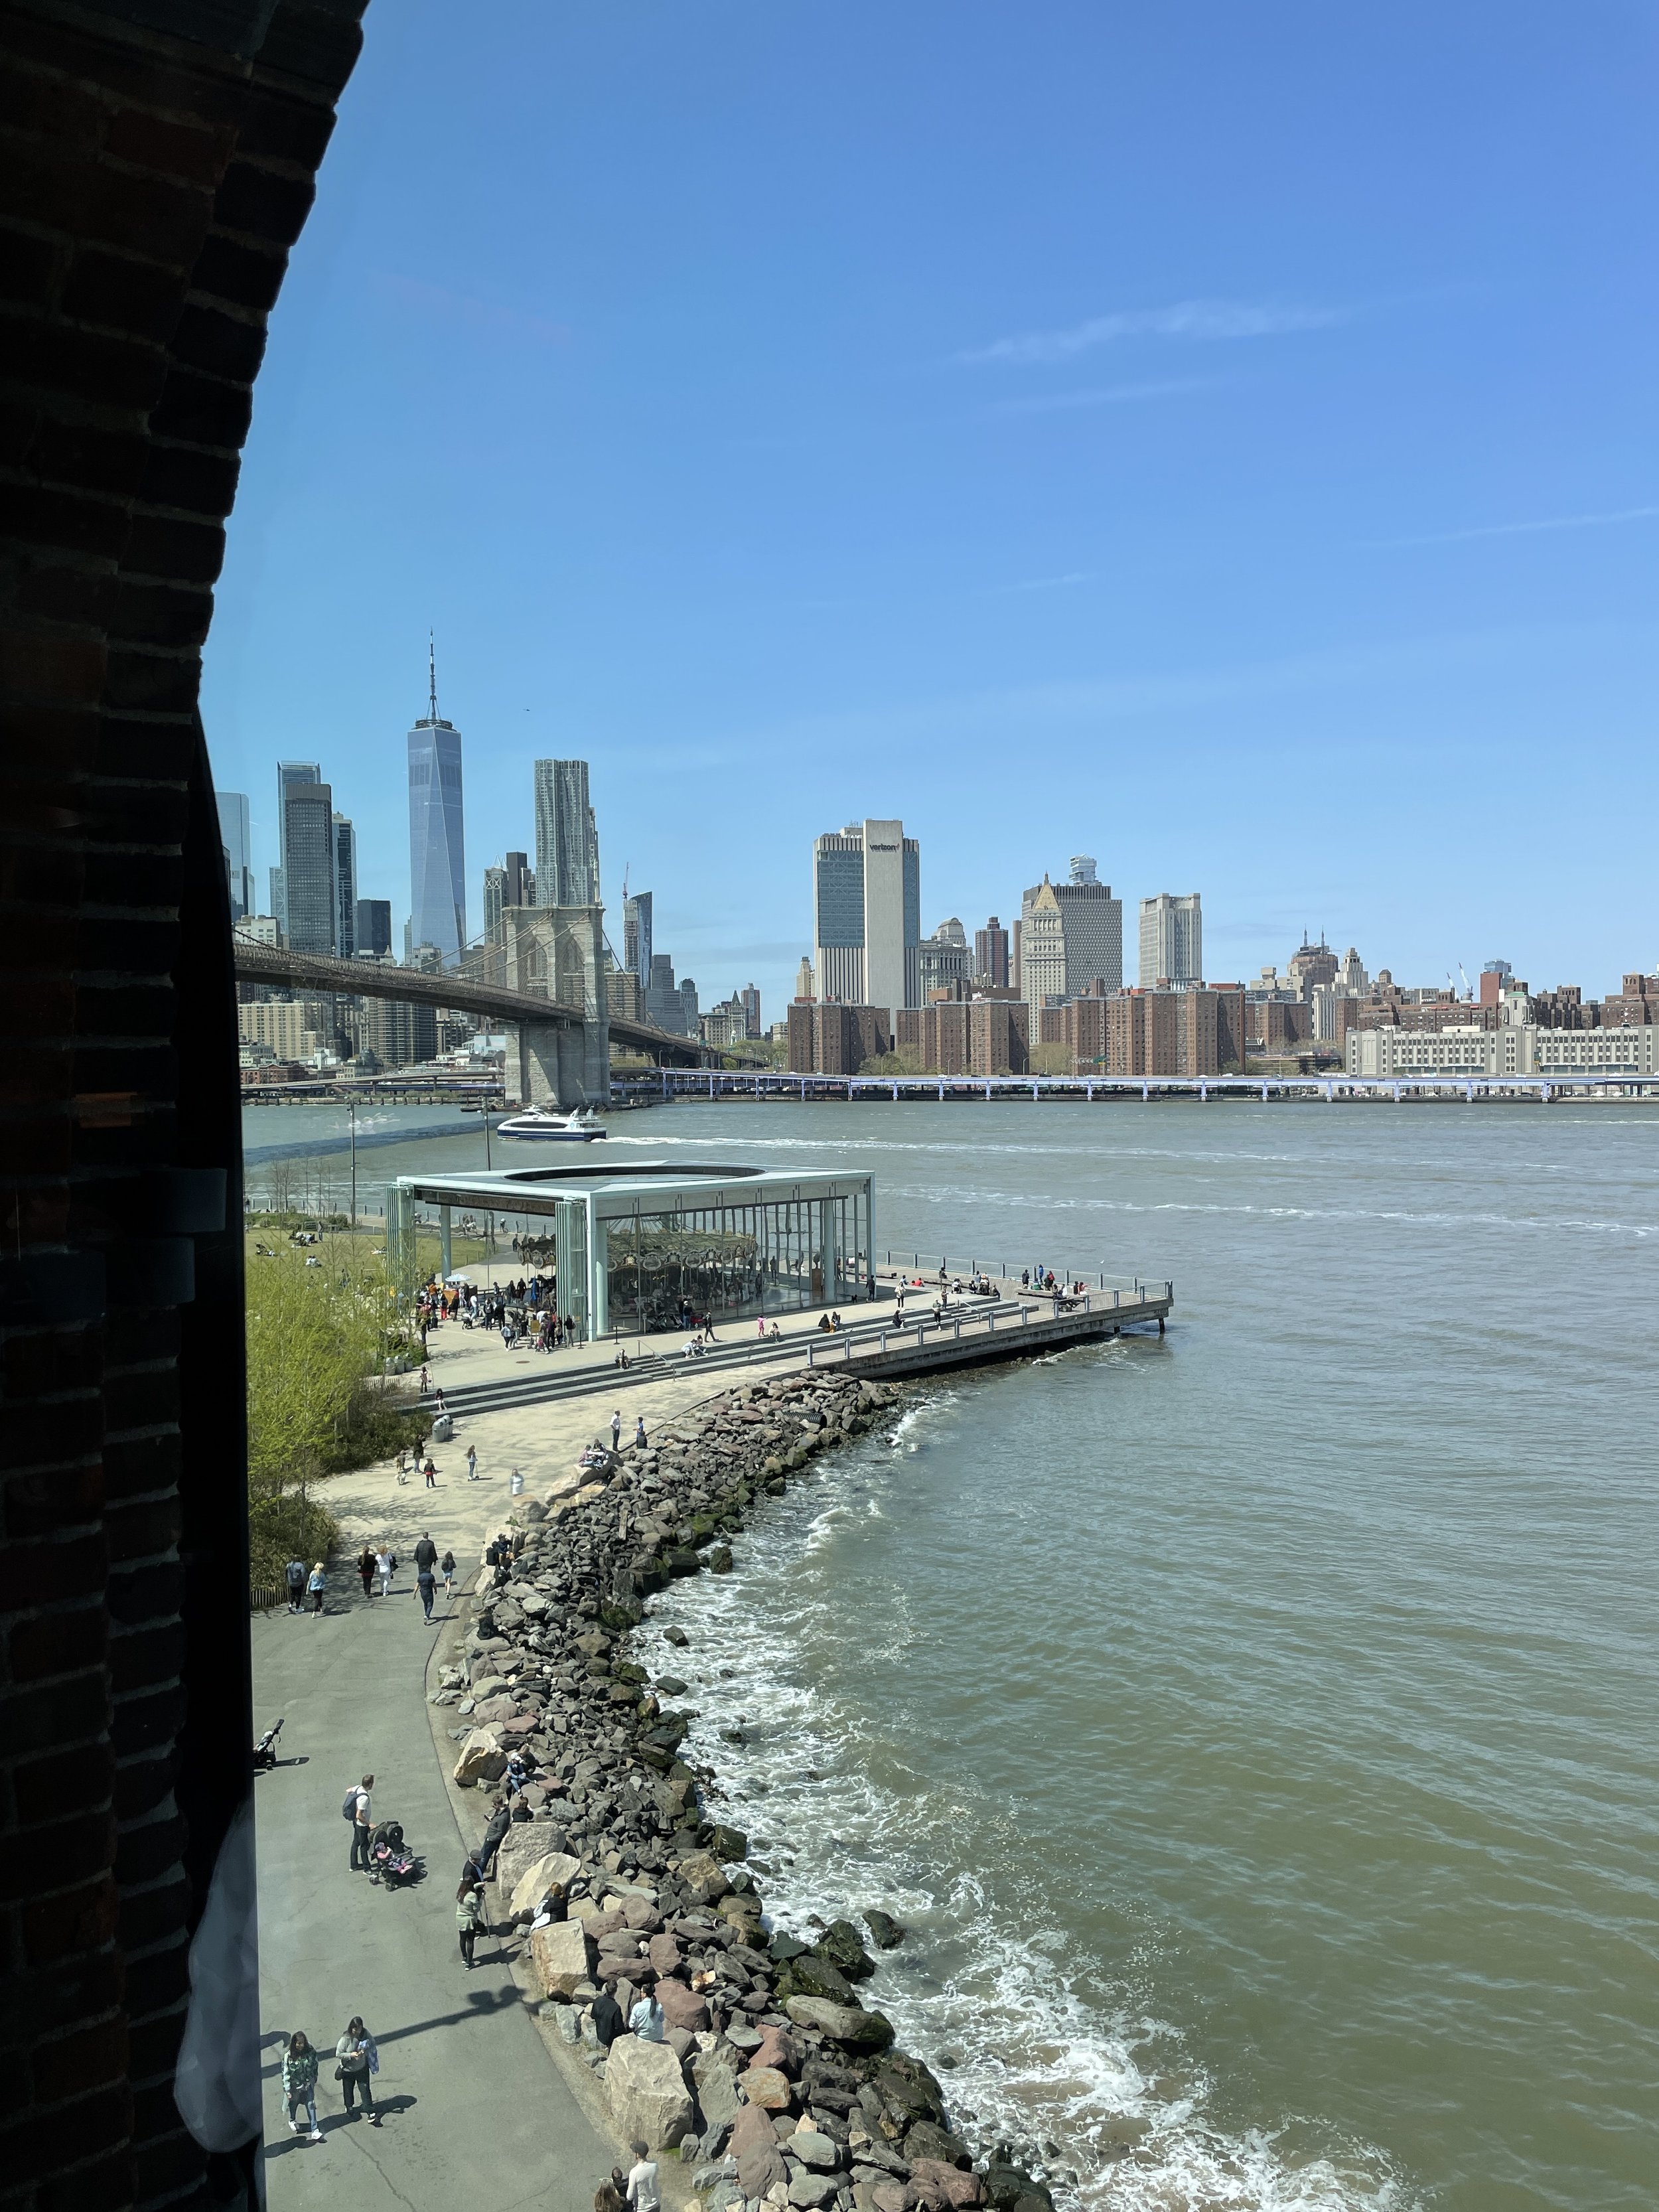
x,y
371,979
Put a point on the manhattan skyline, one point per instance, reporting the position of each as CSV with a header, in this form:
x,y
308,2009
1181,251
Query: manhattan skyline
x,y
1227,454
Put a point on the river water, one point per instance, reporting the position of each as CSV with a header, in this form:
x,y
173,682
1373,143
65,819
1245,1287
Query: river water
x,y
1256,1729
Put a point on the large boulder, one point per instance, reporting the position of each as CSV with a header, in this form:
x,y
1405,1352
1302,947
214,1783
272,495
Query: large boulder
x,y
647,2094
765,2087
840,1945
942,2185
810,1976
714,2075
848,2024
813,2149
682,2007
884,1931
482,1759
812,2192
703,1878
927,2143
563,1957
539,1877
755,2147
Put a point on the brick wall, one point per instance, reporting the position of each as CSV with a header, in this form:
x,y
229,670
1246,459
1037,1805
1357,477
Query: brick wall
x,y
158,159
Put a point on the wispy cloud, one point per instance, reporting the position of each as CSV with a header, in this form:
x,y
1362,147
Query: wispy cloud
x,y
1522,529
1047,583
443,305
1108,395
1202,320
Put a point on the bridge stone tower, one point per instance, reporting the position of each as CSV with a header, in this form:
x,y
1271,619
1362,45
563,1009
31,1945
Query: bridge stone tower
x,y
558,953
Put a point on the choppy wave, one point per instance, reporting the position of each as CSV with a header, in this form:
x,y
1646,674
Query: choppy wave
x,y
1056,2054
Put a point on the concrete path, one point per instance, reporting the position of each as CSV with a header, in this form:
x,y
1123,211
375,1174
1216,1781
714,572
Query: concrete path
x,y
473,2108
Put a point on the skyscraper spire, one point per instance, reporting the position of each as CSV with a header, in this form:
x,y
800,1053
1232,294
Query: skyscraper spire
x,y
432,674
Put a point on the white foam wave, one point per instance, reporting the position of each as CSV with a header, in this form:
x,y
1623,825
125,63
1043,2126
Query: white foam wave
x,y
1051,2051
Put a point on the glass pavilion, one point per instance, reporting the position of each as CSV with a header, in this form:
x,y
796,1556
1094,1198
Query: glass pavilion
x,y
638,1249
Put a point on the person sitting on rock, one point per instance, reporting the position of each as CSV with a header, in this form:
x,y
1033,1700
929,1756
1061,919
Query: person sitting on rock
x,y
608,2022
647,2020
554,1908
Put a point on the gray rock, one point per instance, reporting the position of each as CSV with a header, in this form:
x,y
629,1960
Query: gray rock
x,y
814,2149
884,1931
676,1636
810,2192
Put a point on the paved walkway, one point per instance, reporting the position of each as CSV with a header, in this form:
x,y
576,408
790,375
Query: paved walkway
x,y
474,2110
474,2107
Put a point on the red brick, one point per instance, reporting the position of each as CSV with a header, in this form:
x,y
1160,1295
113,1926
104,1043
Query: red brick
x,y
43,1646
65,1782
91,2058
71,1922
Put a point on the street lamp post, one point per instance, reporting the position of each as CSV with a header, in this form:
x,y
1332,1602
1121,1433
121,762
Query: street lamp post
x,y
351,1127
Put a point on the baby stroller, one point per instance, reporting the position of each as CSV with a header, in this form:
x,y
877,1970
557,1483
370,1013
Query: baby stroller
x,y
390,1861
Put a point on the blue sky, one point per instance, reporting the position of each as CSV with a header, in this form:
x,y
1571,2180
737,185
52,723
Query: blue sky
x,y
1219,440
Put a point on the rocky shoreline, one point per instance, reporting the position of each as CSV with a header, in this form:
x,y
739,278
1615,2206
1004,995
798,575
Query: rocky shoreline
x,y
777,2083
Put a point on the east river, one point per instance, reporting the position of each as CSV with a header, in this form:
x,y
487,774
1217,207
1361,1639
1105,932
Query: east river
x,y
1256,1729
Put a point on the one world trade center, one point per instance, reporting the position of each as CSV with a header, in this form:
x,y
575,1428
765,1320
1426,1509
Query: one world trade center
x,y
437,854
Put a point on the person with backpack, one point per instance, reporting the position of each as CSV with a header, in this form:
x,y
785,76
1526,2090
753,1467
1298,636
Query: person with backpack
x,y
469,1920
357,2062
358,1809
447,1569
293,1574
426,1574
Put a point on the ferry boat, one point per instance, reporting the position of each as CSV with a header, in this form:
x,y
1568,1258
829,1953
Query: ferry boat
x,y
553,1128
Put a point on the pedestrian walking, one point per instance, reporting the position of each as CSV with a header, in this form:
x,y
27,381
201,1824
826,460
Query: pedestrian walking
x,y
639,1434
431,1475
386,1565
472,1873
644,2185
426,1588
357,2063
470,1922
616,1432
359,1810
366,1569
300,2082
426,1551
500,1819
447,1569
423,1383
647,2020
316,1584
611,2195
293,1574
472,1463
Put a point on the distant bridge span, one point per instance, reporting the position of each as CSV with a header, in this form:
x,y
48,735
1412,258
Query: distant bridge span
x,y
492,1002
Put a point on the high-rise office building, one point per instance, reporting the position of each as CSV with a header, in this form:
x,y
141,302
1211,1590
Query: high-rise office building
x,y
437,846
867,909
1043,950
749,998
236,836
310,916
512,883
991,953
636,937
566,836
664,1007
288,772
1171,940
942,960
1092,925
345,887
807,987
372,927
